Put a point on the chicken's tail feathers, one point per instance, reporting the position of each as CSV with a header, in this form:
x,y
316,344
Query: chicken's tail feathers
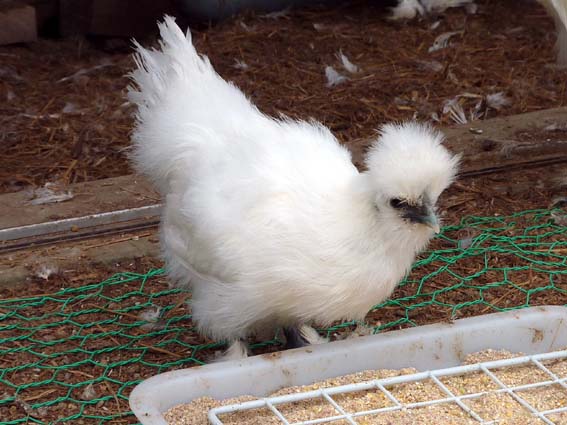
x,y
179,97
159,149
154,68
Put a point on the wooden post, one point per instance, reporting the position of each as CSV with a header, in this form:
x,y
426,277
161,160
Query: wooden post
x,y
17,24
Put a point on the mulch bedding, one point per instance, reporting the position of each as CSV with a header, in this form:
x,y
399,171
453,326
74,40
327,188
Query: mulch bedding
x,y
63,117
100,319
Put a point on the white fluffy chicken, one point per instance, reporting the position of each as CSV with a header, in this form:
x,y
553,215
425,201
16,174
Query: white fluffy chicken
x,y
268,220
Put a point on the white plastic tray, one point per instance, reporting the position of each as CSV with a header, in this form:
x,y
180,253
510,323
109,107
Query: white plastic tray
x,y
531,331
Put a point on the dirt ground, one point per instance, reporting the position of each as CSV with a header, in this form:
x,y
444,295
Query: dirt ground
x,y
63,115
64,118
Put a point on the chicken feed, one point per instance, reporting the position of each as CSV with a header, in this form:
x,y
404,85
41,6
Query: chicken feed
x,y
500,407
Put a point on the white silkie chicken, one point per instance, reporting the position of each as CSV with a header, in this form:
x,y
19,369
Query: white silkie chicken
x,y
557,9
268,220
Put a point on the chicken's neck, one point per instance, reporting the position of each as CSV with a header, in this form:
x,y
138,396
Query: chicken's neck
x,y
380,230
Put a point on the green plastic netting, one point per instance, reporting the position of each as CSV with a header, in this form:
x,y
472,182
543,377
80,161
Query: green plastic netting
x,y
74,355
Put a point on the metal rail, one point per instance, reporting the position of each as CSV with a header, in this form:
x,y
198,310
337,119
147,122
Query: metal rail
x,y
76,223
79,228
74,228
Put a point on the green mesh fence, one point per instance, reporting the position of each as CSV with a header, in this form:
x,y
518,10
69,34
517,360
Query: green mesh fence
x,y
74,355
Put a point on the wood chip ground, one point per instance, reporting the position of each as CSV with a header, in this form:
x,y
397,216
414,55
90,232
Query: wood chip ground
x,y
63,115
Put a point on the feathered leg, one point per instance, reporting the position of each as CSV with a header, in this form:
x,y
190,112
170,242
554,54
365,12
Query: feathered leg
x,y
302,337
237,350
293,338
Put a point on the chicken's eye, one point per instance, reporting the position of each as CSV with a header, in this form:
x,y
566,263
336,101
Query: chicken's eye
x,y
396,203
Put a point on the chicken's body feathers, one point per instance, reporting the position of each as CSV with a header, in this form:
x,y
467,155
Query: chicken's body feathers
x,y
267,220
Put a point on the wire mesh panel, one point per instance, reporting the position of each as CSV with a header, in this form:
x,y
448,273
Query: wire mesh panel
x,y
74,354
446,396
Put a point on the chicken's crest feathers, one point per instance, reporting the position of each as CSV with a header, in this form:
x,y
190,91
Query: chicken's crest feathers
x,y
409,159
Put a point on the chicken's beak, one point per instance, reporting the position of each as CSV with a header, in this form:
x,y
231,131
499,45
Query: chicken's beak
x,y
432,222
424,215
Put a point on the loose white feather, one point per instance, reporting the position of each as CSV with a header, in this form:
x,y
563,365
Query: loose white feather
x,y
497,100
50,193
431,65
246,27
442,41
333,77
238,64
454,109
150,315
347,64
45,271
83,72
284,13
89,393
559,214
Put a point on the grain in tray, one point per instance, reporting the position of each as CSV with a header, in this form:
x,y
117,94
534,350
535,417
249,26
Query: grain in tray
x,y
493,406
